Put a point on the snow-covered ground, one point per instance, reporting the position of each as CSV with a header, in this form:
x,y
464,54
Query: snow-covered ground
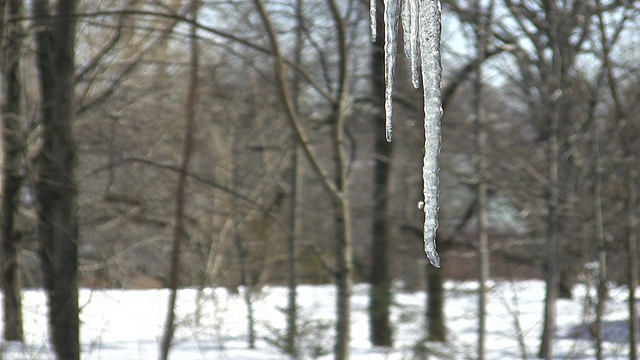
x,y
126,324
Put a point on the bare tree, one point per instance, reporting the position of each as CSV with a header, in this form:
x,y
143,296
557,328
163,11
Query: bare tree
x,y
547,67
180,192
336,185
609,36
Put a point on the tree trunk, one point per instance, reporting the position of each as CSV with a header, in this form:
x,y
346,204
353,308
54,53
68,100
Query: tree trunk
x,y
630,174
436,329
292,281
243,257
632,248
602,254
551,261
292,303
178,226
380,297
557,111
342,213
342,206
13,144
483,237
482,33
632,242
294,218
483,246
344,282
344,248
56,186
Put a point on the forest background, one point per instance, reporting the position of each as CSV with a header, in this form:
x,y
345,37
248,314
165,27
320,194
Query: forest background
x,y
238,143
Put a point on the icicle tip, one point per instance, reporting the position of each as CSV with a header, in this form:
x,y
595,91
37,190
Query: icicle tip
x,y
434,258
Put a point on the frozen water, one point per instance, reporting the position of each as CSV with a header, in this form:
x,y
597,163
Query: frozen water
x,y
372,19
421,25
391,14
410,18
431,78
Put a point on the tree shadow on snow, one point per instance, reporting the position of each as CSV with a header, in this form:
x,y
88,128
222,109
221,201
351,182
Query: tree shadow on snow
x,y
615,331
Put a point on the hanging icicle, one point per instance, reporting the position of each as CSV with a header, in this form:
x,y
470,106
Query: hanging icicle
x,y
391,14
431,77
372,20
409,17
421,23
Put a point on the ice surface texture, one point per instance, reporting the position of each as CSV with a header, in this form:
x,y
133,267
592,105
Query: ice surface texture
x,y
421,24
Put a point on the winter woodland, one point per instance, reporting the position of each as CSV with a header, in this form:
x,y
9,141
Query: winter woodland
x,y
269,179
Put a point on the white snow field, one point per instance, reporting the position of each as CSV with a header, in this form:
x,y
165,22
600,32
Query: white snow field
x,y
127,324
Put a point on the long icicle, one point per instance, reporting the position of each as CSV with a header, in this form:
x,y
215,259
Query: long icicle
x,y
430,28
414,54
409,18
391,10
421,22
372,19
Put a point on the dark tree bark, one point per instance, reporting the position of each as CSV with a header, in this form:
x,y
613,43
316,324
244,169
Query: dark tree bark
x,y
11,168
435,317
178,227
292,277
243,257
436,327
632,247
551,260
56,188
341,201
242,247
380,297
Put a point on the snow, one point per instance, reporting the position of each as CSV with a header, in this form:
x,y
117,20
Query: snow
x,y
127,324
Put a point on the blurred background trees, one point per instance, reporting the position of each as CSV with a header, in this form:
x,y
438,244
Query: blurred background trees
x,y
554,75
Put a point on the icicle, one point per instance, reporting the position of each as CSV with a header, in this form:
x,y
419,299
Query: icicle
x,y
409,18
413,42
431,75
391,10
405,17
372,20
421,23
